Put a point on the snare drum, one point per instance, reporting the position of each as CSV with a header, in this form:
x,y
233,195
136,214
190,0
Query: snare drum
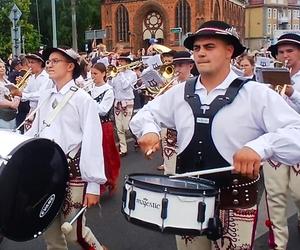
x,y
180,206
33,182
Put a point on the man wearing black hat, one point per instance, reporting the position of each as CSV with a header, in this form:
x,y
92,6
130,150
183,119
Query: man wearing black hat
x,y
69,116
280,180
222,120
124,99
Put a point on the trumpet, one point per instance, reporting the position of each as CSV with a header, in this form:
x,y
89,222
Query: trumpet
x,y
21,84
113,71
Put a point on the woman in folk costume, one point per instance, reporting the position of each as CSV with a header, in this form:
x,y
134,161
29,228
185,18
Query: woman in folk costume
x,y
103,94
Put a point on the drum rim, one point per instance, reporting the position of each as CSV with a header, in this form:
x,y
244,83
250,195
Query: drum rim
x,y
211,192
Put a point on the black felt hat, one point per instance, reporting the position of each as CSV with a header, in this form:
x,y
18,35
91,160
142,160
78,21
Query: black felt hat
x,y
182,56
217,29
288,38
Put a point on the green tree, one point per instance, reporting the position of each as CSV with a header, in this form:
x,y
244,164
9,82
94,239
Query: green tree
x,y
87,14
28,31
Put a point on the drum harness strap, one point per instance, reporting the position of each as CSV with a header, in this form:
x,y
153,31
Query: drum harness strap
x,y
202,154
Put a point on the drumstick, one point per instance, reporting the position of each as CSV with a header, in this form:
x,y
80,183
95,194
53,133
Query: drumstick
x,y
282,92
203,172
66,228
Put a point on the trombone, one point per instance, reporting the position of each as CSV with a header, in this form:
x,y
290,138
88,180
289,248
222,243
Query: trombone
x,y
113,71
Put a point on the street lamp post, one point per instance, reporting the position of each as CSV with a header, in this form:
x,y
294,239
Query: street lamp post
x,y
74,29
54,43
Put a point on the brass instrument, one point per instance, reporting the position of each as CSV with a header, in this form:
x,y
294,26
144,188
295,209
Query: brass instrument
x,y
21,84
167,71
153,92
160,48
113,71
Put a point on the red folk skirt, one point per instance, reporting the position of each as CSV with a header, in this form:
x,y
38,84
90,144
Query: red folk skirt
x,y
111,158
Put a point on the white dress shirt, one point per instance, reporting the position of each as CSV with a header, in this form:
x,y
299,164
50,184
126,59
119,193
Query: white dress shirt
x,y
76,124
294,99
258,118
122,85
108,98
35,85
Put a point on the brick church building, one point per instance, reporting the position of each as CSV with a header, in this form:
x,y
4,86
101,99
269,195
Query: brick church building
x,y
132,23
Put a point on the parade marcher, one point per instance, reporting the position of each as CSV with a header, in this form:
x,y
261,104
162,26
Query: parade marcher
x,y
85,78
124,100
15,70
77,130
183,64
281,180
247,64
103,94
8,103
222,120
35,84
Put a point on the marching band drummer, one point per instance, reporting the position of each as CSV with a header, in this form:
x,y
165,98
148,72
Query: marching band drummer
x,y
103,95
76,129
279,178
124,100
221,121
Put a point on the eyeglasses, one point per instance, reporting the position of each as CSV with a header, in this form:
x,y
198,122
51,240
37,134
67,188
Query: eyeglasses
x,y
54,61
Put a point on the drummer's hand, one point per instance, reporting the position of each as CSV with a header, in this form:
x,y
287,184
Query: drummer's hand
x,y
289,90
247,162
149,144
91,200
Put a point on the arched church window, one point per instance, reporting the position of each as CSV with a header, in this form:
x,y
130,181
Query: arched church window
x,y
183,16
122,24
217,10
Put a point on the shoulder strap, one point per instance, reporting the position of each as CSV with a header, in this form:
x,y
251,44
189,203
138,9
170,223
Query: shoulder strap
x,y
59,107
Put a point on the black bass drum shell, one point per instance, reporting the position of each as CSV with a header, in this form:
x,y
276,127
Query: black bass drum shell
x,y
33,185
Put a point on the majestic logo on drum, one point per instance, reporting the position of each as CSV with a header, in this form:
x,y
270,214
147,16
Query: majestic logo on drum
x,y
146,203
49,202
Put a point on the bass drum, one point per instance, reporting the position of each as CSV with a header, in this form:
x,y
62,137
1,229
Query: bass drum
x,y
33,182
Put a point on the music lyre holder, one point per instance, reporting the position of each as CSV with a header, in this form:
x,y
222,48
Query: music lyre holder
x,y
273,76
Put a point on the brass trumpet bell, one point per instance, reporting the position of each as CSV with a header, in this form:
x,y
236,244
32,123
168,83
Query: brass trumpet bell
x,y
167,71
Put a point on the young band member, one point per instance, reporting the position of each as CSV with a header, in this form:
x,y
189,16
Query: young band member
x,y
220,121
35,84
279,178
77,129
103,94
124,100
183,64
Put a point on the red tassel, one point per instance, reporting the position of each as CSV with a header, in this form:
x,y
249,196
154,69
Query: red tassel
x,y
271,240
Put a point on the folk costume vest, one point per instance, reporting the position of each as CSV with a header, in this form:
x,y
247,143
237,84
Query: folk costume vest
x,y
201,153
